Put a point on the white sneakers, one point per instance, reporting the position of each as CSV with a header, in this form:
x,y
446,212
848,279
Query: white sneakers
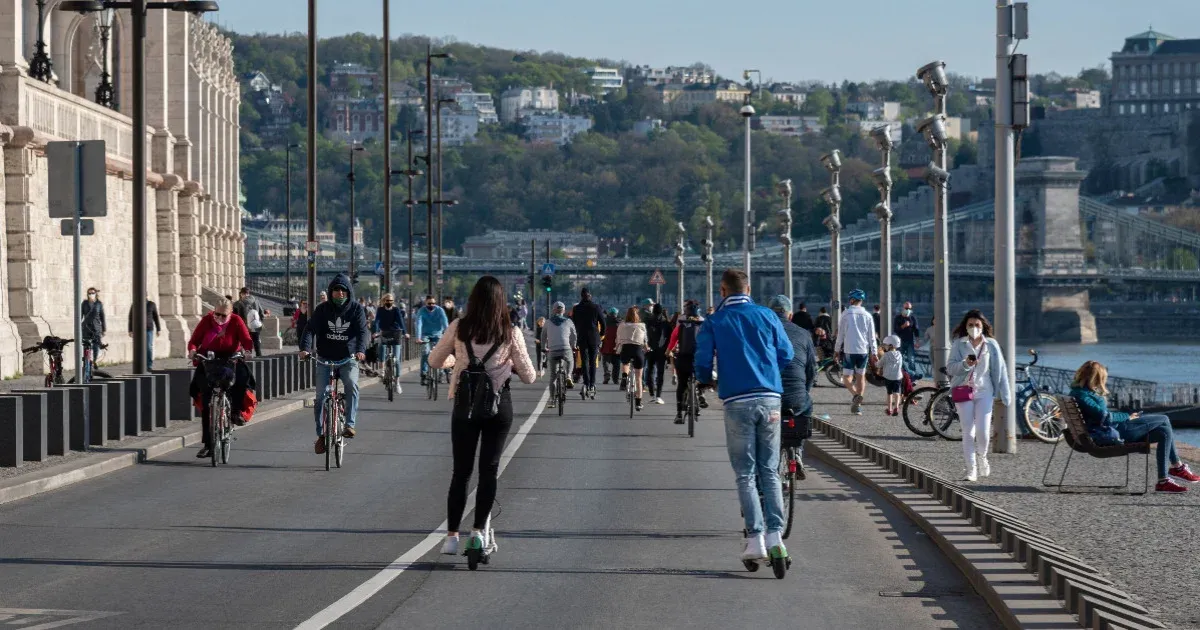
x,y
450,546
972,474
756,548
658,400
985,468
774,540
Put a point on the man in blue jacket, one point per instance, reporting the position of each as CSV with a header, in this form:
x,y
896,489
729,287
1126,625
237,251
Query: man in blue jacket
x,y
753,349
337,331
431,322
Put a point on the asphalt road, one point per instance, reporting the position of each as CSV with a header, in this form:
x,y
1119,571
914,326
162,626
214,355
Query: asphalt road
x,y
607,522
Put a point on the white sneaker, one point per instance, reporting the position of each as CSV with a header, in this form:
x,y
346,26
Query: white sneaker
x,y
774,539
450,546
985,468
658,400
756,548
492,546
972,475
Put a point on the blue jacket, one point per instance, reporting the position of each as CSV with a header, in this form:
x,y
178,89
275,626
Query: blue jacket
x,y
1101,423
752,346
431,323
389,320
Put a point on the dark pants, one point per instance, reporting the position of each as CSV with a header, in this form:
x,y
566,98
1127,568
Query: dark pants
x,y
684,369
254,336
200,386
656,364
612,367
588,355
538,351
1153,428
489,435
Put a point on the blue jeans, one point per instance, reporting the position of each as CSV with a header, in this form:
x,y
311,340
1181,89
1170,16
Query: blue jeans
x,y
1154,428
349,378
149,349
909,352
426,348
752,437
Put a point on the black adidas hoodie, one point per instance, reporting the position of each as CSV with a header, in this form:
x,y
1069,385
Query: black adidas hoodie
x,y
338,332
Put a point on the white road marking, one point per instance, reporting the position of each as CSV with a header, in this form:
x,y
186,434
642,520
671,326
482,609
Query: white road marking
x,y
368,589
13,617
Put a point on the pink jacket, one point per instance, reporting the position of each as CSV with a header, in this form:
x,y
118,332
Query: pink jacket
x,y
509,358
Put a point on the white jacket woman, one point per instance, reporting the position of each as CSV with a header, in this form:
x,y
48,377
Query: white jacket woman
x,y
977,362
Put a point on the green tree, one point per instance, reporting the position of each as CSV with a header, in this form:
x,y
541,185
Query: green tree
x,y
818,103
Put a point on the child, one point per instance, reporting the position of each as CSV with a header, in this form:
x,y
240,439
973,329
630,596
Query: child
x,y
891,366
541,368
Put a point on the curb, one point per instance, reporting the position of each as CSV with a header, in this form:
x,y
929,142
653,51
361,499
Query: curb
x,y
1005,559
117,458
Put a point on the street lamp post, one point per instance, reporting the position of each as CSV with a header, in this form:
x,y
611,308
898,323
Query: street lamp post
x,y
410,173
746,75
785,234
40,66
105,94
679,249
287,196
429,107
832,162
350,177
440,102
311,149
748,218
883,210
706,256
138,10
385,284
937,175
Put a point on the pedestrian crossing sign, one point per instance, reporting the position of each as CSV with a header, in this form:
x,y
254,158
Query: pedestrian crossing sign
x,y
548,269
657,277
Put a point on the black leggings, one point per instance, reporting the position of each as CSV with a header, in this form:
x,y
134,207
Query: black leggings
x,y
684,370
656,363
489,435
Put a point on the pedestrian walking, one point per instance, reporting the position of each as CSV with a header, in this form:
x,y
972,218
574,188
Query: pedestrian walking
x,y
978,376
856,344
754,350
905,327
248,309
875,315
658,335
153,329
802,319
824,320
608,347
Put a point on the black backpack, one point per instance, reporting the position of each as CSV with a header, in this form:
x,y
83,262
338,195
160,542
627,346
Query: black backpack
x,y
687,337
476,397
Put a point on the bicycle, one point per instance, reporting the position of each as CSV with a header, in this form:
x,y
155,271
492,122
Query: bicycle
x,y
558,387
333,407
91,350
832,368
1038,413
922,425
390,381
53,346
220,379
431,376
629,395
691,405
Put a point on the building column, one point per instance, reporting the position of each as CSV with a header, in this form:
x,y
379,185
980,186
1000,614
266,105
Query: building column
x,y
10,340
20,206
12,38
191,266
170,286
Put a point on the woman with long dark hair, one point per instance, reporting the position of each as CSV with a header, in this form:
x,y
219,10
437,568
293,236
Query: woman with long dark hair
x,y
487,328
978,376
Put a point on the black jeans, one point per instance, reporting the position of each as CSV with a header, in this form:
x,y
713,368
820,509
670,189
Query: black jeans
x,y
465,435
587,356
684,370
200,387
656,364
255,336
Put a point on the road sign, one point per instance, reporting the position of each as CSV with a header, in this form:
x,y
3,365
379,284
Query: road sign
x,y
379,269
657,278
77,164
87,227
312,246
548,269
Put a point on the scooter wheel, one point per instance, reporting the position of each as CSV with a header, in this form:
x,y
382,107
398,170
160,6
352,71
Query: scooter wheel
x,y
473,557
780,567
751,565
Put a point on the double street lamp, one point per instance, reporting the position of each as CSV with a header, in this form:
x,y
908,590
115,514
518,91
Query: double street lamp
x,y
353,228
937,175
883,210
440,103
430,105
785,234
410,172
679,250
287,202
833,196
138,10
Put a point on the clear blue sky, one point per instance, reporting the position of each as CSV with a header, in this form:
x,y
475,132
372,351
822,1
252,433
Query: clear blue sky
x,y
786,39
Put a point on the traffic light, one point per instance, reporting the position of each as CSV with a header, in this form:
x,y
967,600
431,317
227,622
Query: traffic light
x,y
706,252
548,283
354,277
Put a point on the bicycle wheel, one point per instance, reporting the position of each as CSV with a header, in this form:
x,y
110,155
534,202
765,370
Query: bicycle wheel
x,y
435,390
629,395
329,420
226,429
914,416
787,483
693,405
562,393
834,374
943,416
214,428
1043,418
387,380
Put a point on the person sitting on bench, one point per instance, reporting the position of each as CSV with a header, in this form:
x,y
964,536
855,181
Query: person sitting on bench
x,y
1106,428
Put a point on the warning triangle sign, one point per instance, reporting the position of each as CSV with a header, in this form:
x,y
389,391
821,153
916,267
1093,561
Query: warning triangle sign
x,y
657,277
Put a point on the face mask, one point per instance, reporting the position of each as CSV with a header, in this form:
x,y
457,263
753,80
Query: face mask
x,y
430,307
907,312
975,332
91,296
338,301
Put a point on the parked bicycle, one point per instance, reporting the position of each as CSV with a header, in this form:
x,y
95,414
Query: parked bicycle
x,y
832,368
91,355
221,373
53,347
333,413
1038,413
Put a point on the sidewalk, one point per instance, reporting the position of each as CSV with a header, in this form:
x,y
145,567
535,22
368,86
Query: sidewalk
x,y
1145,545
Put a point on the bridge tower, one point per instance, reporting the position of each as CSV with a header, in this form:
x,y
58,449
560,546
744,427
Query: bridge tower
x,y
1053,275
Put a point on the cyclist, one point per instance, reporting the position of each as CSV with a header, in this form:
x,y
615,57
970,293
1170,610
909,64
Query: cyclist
x,y
559,340
799,375
94,325
430,323
389,323
589,325
337,331
856,343
753,349
608,348
683,346
222,333
631,338
487,328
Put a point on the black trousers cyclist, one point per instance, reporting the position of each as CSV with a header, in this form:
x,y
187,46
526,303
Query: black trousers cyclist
x,y
236,394
588,354
684,369
656,364
489,435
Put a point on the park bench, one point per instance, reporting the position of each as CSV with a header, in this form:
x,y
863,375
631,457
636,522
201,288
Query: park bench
x,y
1076,435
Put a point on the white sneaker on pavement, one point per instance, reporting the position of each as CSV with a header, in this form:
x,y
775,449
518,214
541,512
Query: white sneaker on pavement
x,y
774,539
450,546
756,548
985,468
972,475
658,400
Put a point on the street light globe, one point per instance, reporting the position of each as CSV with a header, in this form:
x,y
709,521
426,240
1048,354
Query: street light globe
x,y
747,111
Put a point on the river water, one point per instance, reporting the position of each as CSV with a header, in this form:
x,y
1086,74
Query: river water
x,y
1158,362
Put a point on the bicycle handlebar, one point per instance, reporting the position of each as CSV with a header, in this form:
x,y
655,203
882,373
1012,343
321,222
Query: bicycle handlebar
x,y
319,361
210,357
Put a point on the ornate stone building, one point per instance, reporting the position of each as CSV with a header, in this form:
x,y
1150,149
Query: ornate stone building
x,y
195,242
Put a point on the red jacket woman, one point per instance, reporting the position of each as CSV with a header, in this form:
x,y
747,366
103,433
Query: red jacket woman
x,y
222,333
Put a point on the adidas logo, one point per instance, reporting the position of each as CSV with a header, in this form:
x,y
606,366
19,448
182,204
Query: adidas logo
x,y
337,330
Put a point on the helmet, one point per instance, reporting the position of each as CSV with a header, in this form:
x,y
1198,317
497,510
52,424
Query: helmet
x,y
859,295
612,310
691,309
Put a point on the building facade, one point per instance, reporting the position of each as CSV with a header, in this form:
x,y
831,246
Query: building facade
x,y
1155,73
794,126
515,102
480,103
556,127
195,243
606,79
875,110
